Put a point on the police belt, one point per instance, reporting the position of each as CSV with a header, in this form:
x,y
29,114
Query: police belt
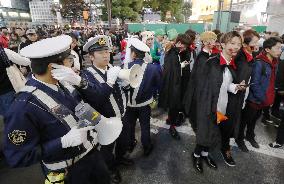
x,y
49,103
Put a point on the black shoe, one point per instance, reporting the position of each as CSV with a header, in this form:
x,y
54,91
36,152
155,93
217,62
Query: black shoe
x,y
210,162
242,146
168,122
174,133
266,121
276,124
253,142
197,163
132,146
125,161
275,145
148,150
180,119
227,156
115,177
276,115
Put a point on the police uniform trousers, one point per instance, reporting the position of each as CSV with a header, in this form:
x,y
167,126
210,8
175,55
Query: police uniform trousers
x,y
143,114
91,169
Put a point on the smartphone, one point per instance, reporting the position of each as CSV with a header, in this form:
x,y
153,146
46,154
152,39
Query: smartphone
x,y
246,85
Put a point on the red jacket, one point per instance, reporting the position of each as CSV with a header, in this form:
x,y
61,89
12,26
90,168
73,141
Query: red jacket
x,y
4,41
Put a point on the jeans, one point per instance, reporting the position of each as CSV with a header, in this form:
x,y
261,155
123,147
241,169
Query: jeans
x,y
5,102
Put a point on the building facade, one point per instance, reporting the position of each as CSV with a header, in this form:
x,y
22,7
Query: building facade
x,y
203,10
41,11
14,13
252,11
275,14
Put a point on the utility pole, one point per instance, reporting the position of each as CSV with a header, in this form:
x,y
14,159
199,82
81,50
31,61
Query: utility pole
x,y
108,3
219,14
229,16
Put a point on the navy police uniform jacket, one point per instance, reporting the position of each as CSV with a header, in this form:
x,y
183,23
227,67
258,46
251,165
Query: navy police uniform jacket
x,y
105,99
32,133
143,95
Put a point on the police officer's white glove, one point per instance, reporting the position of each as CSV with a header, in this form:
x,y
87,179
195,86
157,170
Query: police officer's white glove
x,y
184,64
75,137
63,73
112,75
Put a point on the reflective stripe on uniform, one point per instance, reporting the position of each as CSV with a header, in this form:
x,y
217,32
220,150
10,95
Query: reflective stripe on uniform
x,y
66,163
50,103
111,98
136,90
69,119
142,104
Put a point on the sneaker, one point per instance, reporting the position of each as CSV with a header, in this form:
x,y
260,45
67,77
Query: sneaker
x,y
253,142
276,124
275,145
242,146
266,122
174,133
227,156
276,116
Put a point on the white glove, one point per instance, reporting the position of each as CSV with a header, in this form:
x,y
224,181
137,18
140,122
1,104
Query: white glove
x,y
112,74
183,64
75,137
63,73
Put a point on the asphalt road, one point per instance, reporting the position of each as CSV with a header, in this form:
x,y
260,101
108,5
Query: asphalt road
x,y
170,162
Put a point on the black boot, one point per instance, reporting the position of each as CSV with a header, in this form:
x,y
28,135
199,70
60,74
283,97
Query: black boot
x,y
174,133
124,161
197,163
132,146
148,150
242,146
115,176
252,142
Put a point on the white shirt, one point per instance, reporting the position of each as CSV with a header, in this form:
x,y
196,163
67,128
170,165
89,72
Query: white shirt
x,y
227,86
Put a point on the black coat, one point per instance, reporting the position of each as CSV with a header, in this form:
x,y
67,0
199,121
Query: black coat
x,y
190,97
186,73
208,89
235,101
170,93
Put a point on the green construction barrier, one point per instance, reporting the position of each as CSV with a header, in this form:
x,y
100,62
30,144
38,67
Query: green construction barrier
x,y
181,28
259,29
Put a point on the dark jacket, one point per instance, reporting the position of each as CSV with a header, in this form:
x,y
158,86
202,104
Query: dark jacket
x,y
209,89
244,63
170,93
263,79
186,55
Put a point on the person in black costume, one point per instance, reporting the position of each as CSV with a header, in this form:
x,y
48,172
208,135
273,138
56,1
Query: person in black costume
x,y
170,94
208,40
244,61
213,90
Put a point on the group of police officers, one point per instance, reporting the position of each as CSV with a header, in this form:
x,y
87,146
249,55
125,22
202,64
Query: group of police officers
x,y
43,125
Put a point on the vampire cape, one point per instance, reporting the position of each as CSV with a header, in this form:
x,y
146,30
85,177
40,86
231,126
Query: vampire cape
x,y
170,94
190,97
208,89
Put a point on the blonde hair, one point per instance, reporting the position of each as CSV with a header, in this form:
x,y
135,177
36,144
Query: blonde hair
x,y
208,35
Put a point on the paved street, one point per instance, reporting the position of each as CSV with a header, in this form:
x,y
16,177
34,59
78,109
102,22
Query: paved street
x,y
170,162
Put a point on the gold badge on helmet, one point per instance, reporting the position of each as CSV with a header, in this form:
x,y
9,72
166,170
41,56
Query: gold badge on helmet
x,y
102,41
17,137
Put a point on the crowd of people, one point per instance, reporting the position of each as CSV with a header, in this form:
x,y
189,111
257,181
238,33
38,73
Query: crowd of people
x,y
222,82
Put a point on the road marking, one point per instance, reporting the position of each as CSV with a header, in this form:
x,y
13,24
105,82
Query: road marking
x,y
186,129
